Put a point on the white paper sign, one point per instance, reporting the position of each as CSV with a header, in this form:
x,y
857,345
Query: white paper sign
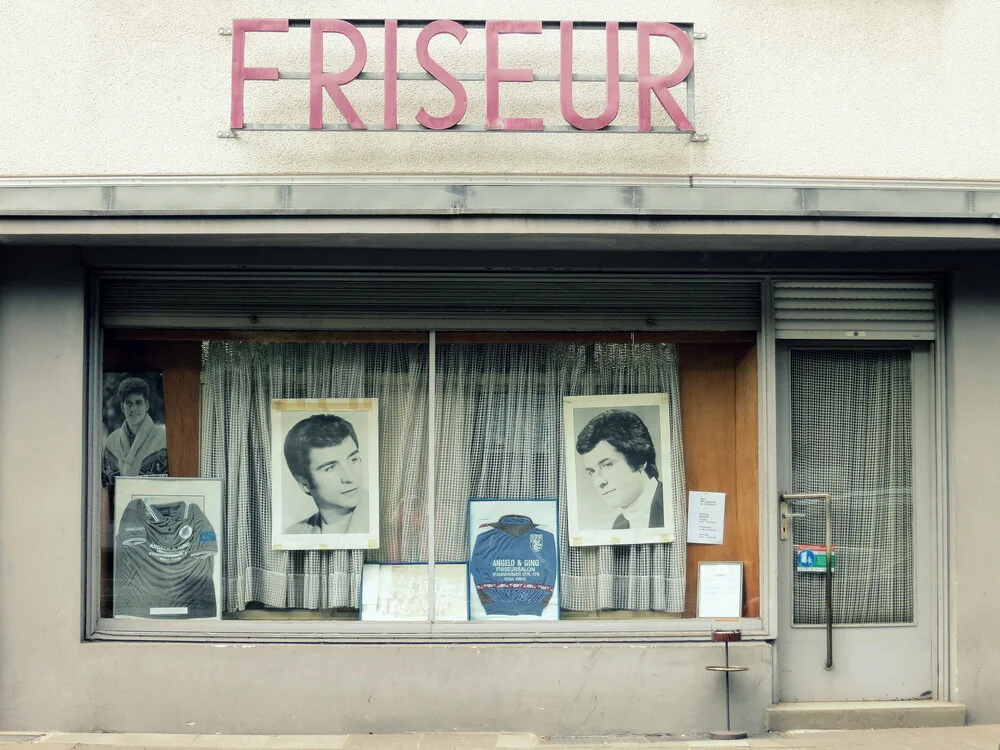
x,y
706,517
720,589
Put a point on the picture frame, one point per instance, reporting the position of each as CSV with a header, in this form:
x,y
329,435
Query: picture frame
x,y
397,592
513,559
133,418
329,498
720,589
616,497
167,548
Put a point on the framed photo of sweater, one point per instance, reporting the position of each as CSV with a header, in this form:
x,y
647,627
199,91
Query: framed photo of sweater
x,y
513,559
167,535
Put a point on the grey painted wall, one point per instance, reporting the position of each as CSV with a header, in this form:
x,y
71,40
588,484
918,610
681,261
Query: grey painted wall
x,y
51,679
974,403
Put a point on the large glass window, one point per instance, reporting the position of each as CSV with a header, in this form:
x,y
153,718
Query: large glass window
x,y
531,477
501,435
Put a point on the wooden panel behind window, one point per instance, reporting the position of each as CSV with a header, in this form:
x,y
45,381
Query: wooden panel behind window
x,y
719,408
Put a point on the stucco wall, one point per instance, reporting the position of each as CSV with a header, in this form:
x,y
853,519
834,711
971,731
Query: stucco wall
x,y
788,87
975,476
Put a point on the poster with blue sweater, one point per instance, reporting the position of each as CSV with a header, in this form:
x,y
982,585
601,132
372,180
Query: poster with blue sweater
x,y
513,559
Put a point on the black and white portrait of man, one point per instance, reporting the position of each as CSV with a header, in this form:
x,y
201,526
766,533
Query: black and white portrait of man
x,y
617,448
135,436
324,474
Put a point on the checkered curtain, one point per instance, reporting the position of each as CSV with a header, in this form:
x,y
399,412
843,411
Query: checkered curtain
x,y
498,434
240,379
499,428
851,437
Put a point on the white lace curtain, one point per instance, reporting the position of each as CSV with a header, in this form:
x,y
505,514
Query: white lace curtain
x,y
851,437
498,433
240,381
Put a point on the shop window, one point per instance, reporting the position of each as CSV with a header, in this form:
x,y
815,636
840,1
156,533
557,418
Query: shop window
x,y
502,439
481,420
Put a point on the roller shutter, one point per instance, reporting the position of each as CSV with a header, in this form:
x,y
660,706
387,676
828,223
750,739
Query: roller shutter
x,y
419,300
837,310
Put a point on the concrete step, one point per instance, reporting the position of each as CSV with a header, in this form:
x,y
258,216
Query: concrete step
x,y
786,717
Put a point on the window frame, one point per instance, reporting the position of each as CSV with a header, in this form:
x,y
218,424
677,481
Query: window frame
x,y
655,627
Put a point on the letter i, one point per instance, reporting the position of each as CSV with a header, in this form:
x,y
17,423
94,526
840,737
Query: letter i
x,y
389,76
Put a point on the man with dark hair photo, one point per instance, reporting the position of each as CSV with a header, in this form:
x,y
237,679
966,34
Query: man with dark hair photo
x,y
324,457
620,460
139,446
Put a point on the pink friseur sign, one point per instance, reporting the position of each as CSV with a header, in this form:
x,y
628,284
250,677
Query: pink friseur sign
x,y
323,83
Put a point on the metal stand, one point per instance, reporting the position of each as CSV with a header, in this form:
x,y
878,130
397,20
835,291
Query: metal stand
x,y
726,636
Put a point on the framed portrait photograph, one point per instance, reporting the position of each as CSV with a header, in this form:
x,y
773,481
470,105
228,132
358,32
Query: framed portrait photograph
x,y
513,559
134,420
397,592
324,474
618,484
167,534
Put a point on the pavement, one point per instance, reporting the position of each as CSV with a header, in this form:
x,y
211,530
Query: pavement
x,y
976,737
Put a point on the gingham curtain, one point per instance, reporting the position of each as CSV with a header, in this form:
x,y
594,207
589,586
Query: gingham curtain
x,y
851,437
498,434
240,381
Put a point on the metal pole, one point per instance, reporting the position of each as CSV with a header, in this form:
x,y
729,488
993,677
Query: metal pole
x,y
431,478
729,727
826,498
829,587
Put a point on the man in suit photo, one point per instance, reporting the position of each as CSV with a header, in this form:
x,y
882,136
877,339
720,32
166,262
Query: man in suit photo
x,y
620,460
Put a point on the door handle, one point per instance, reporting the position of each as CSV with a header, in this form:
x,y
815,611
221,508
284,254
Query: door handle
x,y
787,513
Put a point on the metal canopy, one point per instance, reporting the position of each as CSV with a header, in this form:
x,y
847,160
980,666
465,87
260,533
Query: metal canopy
x,y
503,221
232,196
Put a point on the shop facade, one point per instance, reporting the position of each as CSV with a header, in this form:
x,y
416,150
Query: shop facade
x,y
790,292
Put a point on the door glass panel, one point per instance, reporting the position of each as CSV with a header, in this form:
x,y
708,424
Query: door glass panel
x,y
851,436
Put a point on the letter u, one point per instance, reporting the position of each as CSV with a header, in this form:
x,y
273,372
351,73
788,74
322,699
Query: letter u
x,y
613,95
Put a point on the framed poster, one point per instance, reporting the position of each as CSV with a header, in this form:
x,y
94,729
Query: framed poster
x,y
720,589
513,559
135,432
167,542
397,592
324,473
618,484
